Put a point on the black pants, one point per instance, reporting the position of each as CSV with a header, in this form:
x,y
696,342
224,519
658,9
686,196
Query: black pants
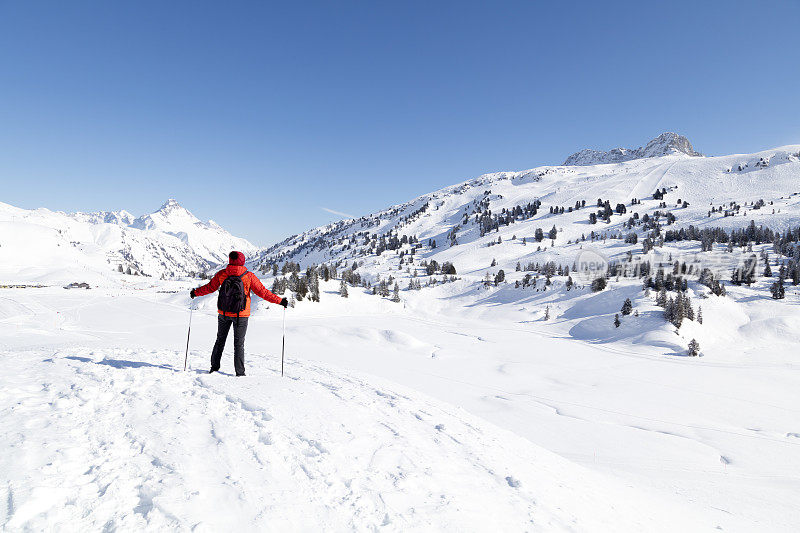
x,y
239,331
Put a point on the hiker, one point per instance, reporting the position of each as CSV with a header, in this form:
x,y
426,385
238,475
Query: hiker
x,y
233,304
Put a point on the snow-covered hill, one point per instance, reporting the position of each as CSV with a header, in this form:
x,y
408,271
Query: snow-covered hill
x,y
667,143
43,246
466,221
520,240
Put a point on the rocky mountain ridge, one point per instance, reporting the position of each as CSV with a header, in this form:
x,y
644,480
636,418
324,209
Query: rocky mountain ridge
x,y
667,143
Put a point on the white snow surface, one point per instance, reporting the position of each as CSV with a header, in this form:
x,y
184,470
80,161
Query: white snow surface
x,y
387,419
458,409
122,439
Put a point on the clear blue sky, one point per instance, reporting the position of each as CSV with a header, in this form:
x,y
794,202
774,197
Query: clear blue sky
x,y
261,114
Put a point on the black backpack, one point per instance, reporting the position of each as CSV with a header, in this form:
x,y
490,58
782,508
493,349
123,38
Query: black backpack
x,y
232,298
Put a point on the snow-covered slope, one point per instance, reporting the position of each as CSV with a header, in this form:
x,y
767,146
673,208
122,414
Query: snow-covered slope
x,y
53,247
454,214
537,225
667,143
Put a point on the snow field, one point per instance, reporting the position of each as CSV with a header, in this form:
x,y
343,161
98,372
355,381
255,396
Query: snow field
x,y
120,440
715,434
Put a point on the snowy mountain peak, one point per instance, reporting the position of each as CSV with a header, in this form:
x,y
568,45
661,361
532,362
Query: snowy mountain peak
x,y
168,242
668,143
171,203
123,216
171,216
119,218
172,209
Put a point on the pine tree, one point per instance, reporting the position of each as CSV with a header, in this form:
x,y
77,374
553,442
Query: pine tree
x,y
694,348
343,289
661,299
302,289
778,292
396,295
312,277
383,288
669,310
599,284
627,307
679,312
700,315
616,321
294,281
547,313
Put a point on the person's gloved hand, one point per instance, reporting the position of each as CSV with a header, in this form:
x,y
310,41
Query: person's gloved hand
x,y
284,302
192,294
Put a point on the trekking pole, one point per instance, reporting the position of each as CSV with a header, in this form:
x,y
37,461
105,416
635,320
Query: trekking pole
x,y
283,344
186,359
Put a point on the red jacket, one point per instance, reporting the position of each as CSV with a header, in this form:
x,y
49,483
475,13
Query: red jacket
x,y
250,282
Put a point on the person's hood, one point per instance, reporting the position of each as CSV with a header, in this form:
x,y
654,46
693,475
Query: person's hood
x,y
236,270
